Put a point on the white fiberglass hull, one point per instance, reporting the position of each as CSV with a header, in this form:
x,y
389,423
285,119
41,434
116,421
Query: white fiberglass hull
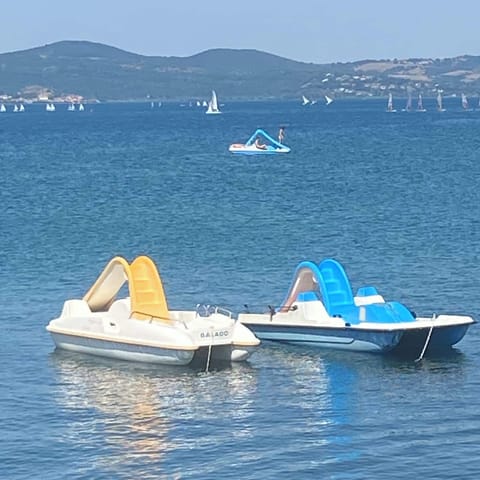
x,y
253,150
122,350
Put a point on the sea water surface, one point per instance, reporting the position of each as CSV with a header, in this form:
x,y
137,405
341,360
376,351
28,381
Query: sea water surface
x,y
394,197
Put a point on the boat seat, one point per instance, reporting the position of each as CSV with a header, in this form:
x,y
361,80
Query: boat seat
x,y
310,296
120,308
313,310
366,291
367,296
76,308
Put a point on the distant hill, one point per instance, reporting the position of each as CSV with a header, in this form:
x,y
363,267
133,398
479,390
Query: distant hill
x,y
97,71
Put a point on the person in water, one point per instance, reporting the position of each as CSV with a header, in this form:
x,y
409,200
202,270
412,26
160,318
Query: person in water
x,y
260,145
281,134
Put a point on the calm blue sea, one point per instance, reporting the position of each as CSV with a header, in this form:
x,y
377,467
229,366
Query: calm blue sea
x,y
394,197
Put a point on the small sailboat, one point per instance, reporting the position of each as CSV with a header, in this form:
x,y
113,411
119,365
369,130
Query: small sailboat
x,y
408,106
390,108
440,102
305,100
3,108
213,104
328,100
465,105
21,108
71,107
50,107
204,103
15,108
420,107
81,108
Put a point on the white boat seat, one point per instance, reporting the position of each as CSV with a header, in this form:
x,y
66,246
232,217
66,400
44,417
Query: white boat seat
x,y
76,308
120,308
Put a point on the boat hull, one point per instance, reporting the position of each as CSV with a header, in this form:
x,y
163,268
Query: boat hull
x,y
401,340
237,346
337,338
122,351
252,150
441,338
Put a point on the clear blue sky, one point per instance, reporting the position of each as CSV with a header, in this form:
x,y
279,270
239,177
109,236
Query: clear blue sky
x,y
308,30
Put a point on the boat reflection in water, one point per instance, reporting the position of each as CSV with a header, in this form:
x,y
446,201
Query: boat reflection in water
x,y
125,412
322,409
114,409
316,401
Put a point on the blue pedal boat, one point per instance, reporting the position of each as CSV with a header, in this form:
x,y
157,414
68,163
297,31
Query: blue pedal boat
x,y
321,310
260,143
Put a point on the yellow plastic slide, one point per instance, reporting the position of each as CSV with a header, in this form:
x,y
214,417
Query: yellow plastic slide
x,y
146,290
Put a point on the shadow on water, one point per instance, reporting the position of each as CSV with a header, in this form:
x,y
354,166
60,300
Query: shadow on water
x,y
448,358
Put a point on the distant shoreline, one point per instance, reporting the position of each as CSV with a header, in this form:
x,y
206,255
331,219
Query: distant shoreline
x,y
90,70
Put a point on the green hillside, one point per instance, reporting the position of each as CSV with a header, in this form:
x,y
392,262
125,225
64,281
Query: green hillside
x,y
106,73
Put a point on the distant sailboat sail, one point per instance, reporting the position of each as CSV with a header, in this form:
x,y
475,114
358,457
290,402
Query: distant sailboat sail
x,y
21,108
440,102
3,108
420,107
81,108
15,108
390,103
71,107
213,104
464,102
305,100
328,100
408,106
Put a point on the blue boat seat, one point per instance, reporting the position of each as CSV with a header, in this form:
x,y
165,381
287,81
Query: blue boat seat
x,y
368,295
310,296
366,291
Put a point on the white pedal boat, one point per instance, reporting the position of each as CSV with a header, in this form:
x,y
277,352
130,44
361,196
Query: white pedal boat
x,y
320,310
141,327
